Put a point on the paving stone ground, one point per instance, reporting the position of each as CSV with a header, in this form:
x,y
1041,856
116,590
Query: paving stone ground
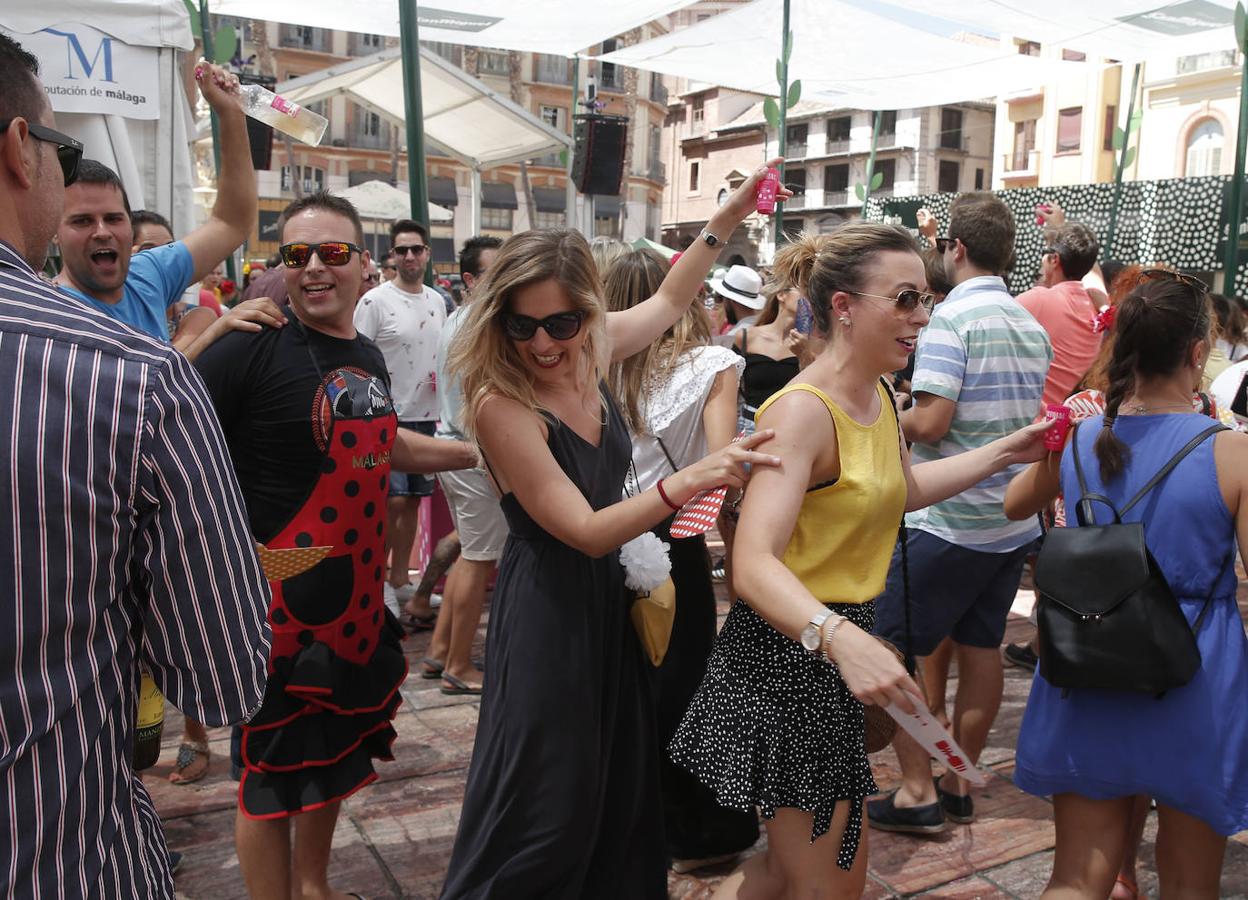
x,y
394,838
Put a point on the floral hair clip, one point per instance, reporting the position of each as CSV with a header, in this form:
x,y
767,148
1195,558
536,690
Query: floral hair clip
x,y
1103,320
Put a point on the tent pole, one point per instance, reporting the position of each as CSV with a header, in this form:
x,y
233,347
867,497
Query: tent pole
x,y
409,40
205,29
569,203
476,201
1230,267
1122,164
866,182
784,113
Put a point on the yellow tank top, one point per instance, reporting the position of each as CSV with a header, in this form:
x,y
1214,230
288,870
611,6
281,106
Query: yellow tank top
x,y
845,531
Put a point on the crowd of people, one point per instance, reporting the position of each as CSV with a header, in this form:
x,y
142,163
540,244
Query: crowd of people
x,y
220,489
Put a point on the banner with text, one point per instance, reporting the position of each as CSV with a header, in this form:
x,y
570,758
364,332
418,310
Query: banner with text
x,y
87,71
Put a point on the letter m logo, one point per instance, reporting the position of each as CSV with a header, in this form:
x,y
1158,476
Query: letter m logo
x,y
75,51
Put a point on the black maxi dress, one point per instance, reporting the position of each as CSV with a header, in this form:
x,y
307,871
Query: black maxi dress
x,y
562,799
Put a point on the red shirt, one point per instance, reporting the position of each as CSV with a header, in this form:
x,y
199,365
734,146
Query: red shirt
x,y
1065,311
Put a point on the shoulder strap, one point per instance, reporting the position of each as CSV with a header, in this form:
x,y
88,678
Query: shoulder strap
x,y
1083,509
745,337
671,462
910,662
1174,461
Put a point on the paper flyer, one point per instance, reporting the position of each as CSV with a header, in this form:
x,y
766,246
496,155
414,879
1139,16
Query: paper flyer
x,y
932,737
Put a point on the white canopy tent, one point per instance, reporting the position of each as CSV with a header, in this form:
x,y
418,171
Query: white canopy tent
x,y
560,27
152,155
844,55
462,115
382,201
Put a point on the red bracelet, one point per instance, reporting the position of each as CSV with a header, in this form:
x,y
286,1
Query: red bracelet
x,y
666,499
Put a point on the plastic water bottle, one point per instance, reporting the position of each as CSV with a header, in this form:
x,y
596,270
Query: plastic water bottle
x,y
287,117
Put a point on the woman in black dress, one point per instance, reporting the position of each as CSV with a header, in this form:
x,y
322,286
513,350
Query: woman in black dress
x,y
562,798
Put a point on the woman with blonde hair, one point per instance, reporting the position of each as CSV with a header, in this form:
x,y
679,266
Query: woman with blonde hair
x,y
778,721
679,398
562,797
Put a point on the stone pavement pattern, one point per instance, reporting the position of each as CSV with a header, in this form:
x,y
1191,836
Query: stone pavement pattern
x,y
394,838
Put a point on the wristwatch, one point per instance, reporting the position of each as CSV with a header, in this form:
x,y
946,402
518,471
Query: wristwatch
x,y
711,240
812,635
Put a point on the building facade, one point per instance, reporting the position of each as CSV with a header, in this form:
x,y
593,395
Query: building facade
x,y
360,145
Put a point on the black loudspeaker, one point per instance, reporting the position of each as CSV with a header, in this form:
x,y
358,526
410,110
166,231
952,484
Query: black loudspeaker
x,y
259,135
598,155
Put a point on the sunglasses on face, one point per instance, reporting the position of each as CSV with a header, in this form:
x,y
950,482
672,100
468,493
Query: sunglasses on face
x,y
906,300
560,326
410,249
68,150
388,268
945,243
331,253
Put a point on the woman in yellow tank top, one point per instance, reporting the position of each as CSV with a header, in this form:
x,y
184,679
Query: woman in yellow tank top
x,y
778,720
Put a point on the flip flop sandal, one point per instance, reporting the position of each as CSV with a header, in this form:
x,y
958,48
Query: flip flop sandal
x,y
413,623
189,752
430,668
457,686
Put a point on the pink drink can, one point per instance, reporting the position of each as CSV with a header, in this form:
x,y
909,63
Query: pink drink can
x,y
766,197
1055,437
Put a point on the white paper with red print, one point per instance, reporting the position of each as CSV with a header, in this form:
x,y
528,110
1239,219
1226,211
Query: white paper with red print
x,y
698,516
932,736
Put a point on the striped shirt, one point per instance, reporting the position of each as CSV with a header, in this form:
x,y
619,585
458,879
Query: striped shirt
x,y
988,355
125,537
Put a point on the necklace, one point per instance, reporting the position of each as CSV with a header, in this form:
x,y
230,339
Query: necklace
x,y
1140,409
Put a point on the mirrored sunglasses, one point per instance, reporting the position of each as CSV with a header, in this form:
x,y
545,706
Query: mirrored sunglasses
x,y
560,326
331,253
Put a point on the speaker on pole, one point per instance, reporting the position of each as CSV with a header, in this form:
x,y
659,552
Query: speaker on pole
x,y
598,154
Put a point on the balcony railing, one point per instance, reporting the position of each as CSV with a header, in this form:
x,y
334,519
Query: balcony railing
x,y
836,198
369,141
1019,164
657,171
840,146
365,44
301,37
794,150
797,201
658,90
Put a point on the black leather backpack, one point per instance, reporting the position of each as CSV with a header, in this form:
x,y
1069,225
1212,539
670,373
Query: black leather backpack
x,y
1107,616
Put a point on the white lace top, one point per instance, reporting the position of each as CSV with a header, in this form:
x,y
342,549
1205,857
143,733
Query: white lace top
x,y
672,409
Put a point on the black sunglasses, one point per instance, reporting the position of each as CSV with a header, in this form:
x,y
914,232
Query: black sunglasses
x,y
906,300
945,243
332,253
560,326
1190,281
68,150
410,250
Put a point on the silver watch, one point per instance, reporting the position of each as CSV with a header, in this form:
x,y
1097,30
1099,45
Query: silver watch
x,y
711,240
812,636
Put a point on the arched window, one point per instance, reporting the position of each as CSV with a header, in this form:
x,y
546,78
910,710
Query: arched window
x,y
1204,149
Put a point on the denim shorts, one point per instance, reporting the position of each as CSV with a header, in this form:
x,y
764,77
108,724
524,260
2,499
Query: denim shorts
x,y
403,484
954,592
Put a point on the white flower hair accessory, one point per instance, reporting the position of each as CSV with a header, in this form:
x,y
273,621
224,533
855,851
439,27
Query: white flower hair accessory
x,y
646,563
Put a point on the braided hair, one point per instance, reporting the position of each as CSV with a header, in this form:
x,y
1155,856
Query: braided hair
x,y
1154,329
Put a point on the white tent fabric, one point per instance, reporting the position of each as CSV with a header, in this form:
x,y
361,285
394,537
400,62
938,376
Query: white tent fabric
x,y
1118,29
152,156
845,56
465,117
561,27
380,200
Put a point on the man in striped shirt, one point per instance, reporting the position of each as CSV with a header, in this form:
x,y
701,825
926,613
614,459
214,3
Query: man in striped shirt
x,y
125,540
979,375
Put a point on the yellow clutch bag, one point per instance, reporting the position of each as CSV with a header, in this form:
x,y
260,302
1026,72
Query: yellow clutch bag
x,y
653,615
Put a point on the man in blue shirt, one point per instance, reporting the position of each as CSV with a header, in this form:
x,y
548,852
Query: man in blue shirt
x,y
96,235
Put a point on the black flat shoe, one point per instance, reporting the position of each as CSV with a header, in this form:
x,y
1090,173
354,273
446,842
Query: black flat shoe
x,y
885,815
958,807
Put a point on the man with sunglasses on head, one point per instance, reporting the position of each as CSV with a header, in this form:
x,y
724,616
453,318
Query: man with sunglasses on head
x,y
96,234
979,374
126,544
311,428
404,317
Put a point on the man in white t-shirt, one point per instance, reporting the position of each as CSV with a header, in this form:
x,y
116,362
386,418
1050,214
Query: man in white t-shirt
x,y
404,317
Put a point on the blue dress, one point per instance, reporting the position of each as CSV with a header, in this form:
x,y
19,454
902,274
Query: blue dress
x,y
1189,749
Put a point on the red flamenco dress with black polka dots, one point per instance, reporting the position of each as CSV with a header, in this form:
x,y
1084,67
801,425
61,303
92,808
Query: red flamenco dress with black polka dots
x,y
336,663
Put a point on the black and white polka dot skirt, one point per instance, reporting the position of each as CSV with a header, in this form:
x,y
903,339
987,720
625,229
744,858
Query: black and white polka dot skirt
x,y
774,726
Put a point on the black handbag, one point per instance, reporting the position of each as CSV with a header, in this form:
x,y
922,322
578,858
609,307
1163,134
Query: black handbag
x,y
1107,618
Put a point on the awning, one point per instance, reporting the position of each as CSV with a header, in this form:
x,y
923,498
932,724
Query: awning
x,y
469,120
498,195
898,67
561,27
140,23
550,199
442,191
646,244
606,206
379,200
